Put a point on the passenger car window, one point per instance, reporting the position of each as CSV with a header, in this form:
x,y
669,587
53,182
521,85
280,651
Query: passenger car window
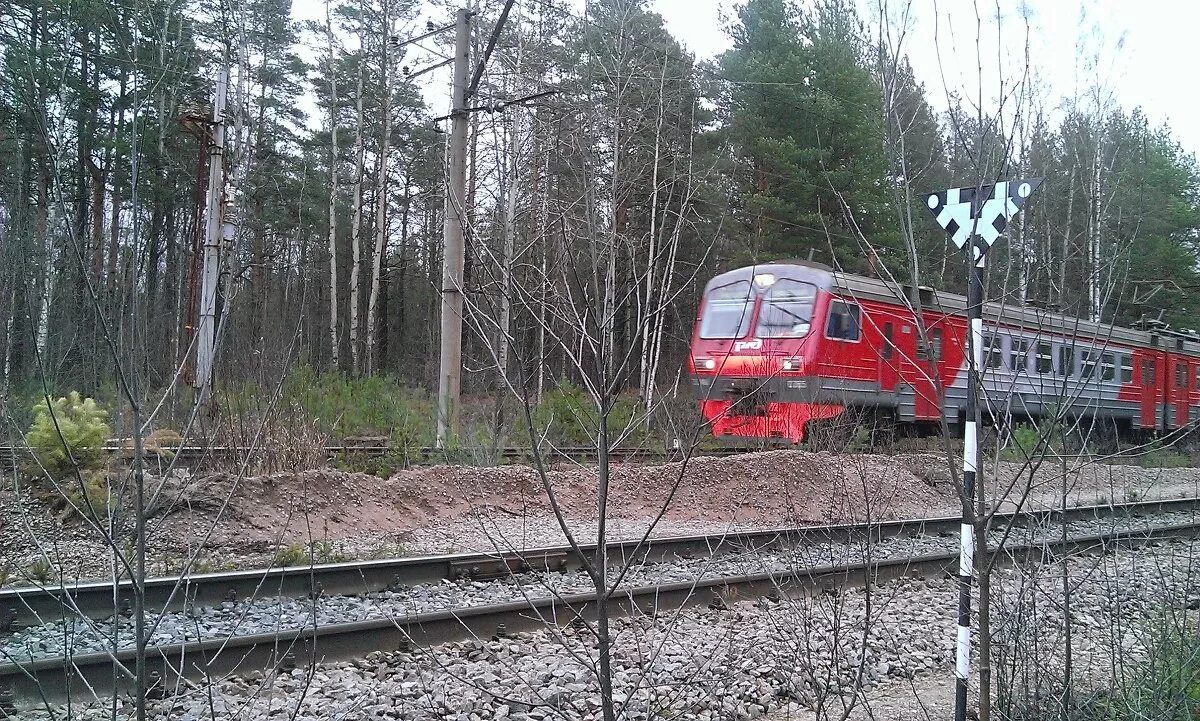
x,y
1126,369
1043,357
727,311
1066,361
844,321
1108,366
887,340
1018,356
993,351
1087,363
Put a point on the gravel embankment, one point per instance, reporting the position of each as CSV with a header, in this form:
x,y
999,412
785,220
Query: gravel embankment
x,y
757,660
231,522
78,635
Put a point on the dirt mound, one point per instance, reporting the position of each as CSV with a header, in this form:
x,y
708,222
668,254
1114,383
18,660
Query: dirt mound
x,y
770,488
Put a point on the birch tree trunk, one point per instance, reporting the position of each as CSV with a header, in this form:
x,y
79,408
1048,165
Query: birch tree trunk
x,y
356,221
647,320
46,248
1094,230
510,228
510,232
381,184
1066,239
333,185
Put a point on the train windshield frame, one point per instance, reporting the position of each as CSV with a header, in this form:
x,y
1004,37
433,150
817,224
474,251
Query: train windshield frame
x,y
727,312
787,310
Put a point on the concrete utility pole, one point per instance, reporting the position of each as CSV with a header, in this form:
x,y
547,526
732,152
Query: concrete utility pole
x,y
450,367
974,217
213,234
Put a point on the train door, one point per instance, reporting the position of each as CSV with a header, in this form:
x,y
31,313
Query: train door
x,y
924,370
1148,390
889,358
1194,391
1180,397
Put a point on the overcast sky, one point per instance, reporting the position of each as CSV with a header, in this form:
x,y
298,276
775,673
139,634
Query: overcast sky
x,y
1145,48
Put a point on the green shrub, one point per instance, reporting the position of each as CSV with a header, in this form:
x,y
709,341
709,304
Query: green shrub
x,y
381,465
40,571
568,414
376,405
299,554
1023,443
1165,684
1162,684
67,428
1158,454
342,407
93,498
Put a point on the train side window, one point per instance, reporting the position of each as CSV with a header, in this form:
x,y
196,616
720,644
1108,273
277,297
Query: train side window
x,y
1043,358
1018,355
1181,375
887,340
936,342
1198,377
1126,368
1066,361
1148,372
1087,363
993,351
1108,366
843,323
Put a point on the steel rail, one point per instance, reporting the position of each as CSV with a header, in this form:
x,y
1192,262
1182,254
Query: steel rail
x,y
93,675
35,605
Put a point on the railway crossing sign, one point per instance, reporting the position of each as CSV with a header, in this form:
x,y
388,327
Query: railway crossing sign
x,y
982,211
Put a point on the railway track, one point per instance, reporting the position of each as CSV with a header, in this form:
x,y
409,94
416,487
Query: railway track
x,y
82,675
201,456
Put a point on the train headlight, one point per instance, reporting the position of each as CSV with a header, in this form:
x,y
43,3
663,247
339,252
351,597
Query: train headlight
x,y
792,364
708,364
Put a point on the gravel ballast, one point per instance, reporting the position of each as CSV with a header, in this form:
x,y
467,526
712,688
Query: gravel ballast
x,y
270,615
762,659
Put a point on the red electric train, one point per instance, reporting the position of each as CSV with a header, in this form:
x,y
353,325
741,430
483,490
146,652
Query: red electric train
x,y
779,345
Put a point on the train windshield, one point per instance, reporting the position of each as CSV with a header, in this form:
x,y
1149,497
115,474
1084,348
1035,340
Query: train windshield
x,y
727,311
787,310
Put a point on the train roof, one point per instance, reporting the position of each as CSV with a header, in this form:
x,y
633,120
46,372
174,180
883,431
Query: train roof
x,y
938,301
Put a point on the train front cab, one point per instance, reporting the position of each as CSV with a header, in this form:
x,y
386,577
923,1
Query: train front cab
x,y
759,337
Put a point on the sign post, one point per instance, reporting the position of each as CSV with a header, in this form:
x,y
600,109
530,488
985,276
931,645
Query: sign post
x,y
974,217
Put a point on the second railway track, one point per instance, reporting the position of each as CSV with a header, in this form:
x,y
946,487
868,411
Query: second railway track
x,y
227,651
209,456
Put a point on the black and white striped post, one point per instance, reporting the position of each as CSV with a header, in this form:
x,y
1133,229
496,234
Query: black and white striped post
x,y
974,217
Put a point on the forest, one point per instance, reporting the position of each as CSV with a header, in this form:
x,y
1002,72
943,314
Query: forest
x,y
635,163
